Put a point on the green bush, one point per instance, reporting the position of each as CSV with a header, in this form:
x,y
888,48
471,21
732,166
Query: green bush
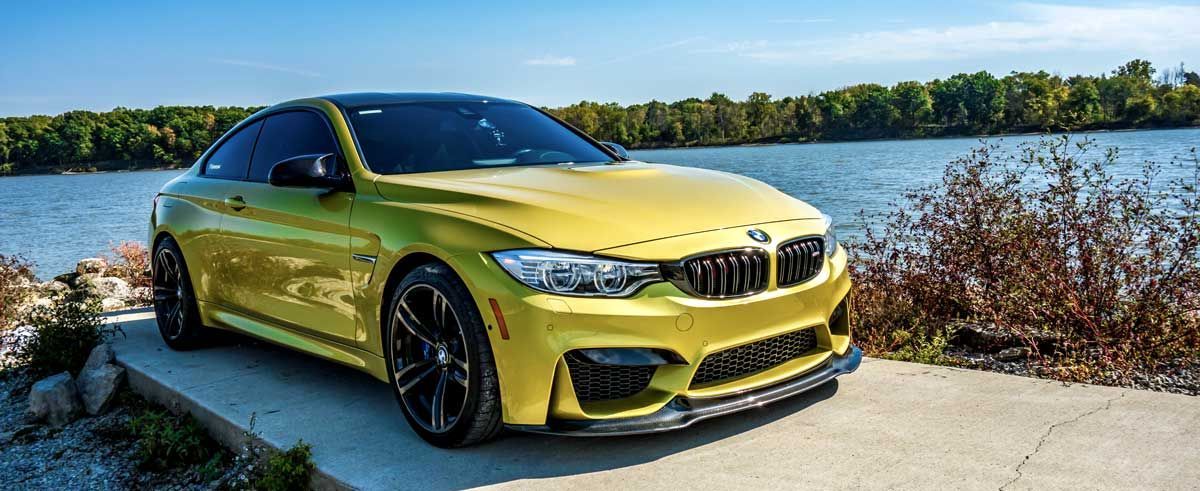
x,y
918,349
166,441
64,333
288,470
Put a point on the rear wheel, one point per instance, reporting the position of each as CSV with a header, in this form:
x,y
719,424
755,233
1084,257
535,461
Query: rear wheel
x,y
440,360
174,300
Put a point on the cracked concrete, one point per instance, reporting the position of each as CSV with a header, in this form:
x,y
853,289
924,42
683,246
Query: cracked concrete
x,y
1049,431
890,425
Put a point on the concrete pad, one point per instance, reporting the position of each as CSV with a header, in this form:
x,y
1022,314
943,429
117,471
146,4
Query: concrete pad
x,y
889,425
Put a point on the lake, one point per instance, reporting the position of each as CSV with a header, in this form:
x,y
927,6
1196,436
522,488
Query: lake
x,y
56,220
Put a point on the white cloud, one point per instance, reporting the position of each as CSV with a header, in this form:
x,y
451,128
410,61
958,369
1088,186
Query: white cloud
x,y
266,66
1039,28
552,61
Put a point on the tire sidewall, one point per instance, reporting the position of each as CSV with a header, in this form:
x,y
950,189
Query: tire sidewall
x,y
189,337
442,279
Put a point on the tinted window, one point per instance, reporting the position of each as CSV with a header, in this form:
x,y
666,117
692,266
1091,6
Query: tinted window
x,y
289,135
435,136
233,156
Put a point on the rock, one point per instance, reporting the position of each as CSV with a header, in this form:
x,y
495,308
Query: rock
x,y
142,294
55,286
91,265
54,400
83,280
981,336
10,338
98,386
67,278
1012,354
110,287
112,304
101,355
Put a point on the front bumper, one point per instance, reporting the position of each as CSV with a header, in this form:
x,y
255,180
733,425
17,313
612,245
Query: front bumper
x,y
682,411
541,329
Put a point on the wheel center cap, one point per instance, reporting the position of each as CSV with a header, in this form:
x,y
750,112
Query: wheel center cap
x,y
443,356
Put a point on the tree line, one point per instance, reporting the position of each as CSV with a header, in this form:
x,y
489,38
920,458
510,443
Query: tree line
x,y
964,104
121,138
1131,96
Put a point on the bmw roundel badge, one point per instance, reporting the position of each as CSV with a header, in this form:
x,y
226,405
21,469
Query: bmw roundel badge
x,y
758,235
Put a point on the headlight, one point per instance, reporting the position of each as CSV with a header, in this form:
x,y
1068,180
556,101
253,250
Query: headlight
x,y
576,274
830,237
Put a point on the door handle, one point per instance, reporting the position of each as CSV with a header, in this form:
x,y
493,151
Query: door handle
x,y
235,202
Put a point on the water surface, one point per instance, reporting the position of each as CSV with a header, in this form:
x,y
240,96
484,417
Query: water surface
x,y
56,220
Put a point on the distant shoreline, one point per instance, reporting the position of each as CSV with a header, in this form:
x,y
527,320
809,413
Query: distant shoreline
x,y
93,168
940,137
119,167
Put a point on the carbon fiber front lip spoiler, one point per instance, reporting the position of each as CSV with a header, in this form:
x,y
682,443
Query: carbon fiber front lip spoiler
x,y
681,412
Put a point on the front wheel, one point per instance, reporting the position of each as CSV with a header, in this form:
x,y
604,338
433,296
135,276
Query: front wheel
x,y
440,360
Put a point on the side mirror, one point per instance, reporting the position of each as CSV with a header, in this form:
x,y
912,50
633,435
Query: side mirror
x,y
308,171
617,149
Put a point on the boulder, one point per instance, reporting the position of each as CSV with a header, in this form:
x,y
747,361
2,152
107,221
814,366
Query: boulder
x,y
67,278
10,338
1013,354
101,355
54,400
981,336
91,265
98,387
112,304
142,295
55,286
110,287
83,280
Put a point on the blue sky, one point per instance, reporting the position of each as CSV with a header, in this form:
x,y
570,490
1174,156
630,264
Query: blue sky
x,y
99,55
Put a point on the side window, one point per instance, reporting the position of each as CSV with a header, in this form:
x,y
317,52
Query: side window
x,y
288,135
233,156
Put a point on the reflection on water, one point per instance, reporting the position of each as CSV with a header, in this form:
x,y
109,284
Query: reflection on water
x,y
56,220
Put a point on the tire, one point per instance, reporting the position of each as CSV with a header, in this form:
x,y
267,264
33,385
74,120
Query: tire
x,y
175,306
441,366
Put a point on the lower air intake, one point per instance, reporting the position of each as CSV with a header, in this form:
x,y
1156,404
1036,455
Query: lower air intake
x,y
593,382
755,357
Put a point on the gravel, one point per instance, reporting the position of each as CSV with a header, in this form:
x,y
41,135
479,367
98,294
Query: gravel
x,y
1179,376
95,452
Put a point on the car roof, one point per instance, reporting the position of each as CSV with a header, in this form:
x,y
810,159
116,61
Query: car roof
x,y
358,100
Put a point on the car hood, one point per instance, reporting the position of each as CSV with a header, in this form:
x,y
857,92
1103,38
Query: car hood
x,y
588,208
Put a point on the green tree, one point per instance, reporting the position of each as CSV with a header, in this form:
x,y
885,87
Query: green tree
x,y
1182,105
913,105
1082,106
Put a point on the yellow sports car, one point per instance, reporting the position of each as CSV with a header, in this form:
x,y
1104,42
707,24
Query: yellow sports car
x,y
500,268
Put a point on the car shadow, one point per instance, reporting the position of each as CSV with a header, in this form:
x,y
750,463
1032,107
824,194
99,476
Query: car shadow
x,y
515,455
543,456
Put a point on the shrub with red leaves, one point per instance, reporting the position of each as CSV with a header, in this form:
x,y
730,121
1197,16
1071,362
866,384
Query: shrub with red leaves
x,y
1096,275
129,261
16,277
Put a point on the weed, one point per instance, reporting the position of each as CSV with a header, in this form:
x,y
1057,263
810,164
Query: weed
x,y
288,470
166,441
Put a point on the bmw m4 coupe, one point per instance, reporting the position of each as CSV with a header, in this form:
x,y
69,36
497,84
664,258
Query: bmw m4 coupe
x,y
499,268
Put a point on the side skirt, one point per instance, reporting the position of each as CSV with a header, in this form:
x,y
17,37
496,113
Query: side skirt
x,y
220,317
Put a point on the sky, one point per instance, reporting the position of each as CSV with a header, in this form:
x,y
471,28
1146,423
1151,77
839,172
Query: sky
x,y
99,55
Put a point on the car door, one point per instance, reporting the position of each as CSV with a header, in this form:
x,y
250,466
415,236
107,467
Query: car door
x,y
290,247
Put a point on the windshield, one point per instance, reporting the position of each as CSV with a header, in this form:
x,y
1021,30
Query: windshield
x,y
438,136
